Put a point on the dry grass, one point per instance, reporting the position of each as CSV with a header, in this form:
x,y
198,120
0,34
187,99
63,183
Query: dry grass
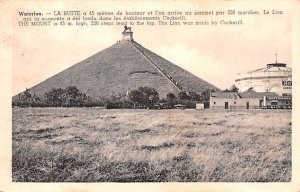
x,y
93,145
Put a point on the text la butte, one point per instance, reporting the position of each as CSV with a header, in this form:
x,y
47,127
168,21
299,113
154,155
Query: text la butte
x,y
70,13
277,12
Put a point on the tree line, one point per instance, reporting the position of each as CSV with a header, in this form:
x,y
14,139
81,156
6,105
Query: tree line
x,y
142,97
57,97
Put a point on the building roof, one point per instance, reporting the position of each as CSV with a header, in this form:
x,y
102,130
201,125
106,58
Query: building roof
x,y
236,95
228,95
273,70
257,94
272,67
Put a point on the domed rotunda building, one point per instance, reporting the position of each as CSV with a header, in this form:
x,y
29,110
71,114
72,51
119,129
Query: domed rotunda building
x,y
276,77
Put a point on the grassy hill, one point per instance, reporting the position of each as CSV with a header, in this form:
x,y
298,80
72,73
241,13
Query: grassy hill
x,y
123,67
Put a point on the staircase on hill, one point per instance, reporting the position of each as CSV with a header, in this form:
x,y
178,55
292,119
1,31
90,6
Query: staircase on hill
x,y
138,47
183,79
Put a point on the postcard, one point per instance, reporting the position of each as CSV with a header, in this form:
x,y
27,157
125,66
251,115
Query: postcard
x,y
150,96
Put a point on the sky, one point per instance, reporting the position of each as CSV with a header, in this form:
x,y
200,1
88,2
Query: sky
x,y
214,53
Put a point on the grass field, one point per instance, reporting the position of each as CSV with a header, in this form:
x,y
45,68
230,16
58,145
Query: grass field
x,y
96,145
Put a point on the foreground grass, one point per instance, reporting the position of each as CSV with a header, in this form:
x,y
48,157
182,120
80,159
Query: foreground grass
x,y
93,145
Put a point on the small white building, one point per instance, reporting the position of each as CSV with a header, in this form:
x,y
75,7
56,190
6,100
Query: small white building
x,y
249,100
199,106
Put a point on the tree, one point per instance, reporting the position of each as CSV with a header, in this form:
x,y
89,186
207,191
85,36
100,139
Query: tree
x,y
27,95
145,96
204,97
71,95
171,98
25,99
82,99
233,88
120,97
117,101
136,96
55,97
251,89
193,96
183,96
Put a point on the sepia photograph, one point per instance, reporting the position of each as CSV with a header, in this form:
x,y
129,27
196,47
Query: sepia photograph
x,y
168,92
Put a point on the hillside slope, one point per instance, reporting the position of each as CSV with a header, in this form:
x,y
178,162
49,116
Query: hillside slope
x,y
122,67
185,79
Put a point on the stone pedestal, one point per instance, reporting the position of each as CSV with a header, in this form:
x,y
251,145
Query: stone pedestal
x,y
127,36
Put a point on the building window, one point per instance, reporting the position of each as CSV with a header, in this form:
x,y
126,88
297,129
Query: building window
x,y
234,102
273,103
286,102
214,103
226,105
